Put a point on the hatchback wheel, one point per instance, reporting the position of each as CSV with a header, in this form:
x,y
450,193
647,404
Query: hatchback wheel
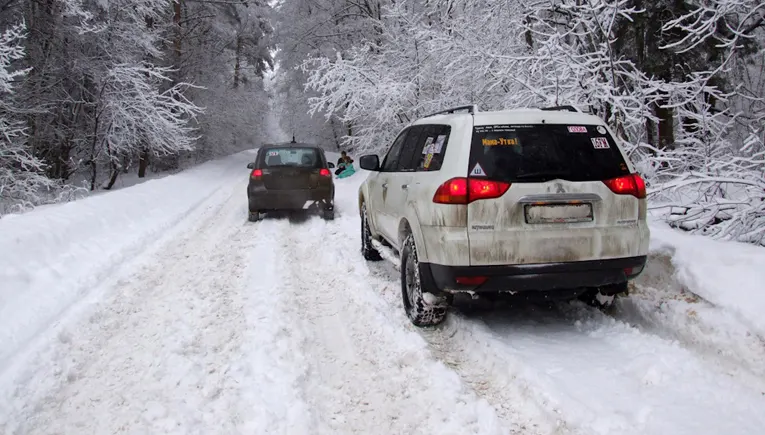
x,y
417,309
255,216
367,250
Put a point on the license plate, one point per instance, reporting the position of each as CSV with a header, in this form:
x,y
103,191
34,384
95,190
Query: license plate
x,y
558,213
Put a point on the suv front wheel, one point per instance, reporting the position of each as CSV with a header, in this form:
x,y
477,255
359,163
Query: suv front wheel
x,y
419,311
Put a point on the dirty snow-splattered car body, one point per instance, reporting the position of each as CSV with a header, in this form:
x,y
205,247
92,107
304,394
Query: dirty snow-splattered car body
x,y
290,176
539,203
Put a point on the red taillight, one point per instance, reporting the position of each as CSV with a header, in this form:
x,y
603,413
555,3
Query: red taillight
x,y
471,280
324,172
454,191
483,189
256,174
466,190
632,184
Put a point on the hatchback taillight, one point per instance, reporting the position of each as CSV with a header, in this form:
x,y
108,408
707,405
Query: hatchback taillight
x,y
324,172
631,184
256,174
462,190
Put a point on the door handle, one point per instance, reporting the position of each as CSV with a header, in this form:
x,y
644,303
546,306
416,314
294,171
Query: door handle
x,y
404,186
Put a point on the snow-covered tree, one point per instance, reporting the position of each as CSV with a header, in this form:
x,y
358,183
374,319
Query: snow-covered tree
x,y
21,174
680,82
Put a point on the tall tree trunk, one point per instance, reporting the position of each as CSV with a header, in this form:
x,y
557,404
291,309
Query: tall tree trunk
x,y
666,125
113,176
143,162
237,62
177,9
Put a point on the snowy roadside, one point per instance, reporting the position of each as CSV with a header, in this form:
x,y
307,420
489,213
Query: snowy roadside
x,y
727,274
52,257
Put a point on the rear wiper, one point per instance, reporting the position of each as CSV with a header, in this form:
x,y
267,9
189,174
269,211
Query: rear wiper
x,y
548,175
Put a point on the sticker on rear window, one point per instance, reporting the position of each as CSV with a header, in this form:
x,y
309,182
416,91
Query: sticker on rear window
x,y
477,171
273,153
600,143
439,145
577,129
601,129
428,161
500,141
428,148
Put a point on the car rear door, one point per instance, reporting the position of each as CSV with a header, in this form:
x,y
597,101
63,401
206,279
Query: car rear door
x,y
550,193
399,181
291,168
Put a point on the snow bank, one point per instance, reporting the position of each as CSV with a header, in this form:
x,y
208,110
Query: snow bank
x,y
728,274
53,257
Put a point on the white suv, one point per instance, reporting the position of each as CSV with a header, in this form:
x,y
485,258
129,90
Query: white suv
x,y
542,203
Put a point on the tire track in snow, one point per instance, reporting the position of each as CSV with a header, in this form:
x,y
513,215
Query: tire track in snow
x,y
601,375
367,374
275,364
161,353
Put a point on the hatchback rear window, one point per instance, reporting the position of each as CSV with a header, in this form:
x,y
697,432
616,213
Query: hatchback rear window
x,y
293,157
544,152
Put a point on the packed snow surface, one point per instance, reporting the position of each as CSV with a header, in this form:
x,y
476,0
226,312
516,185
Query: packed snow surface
x,y
159,309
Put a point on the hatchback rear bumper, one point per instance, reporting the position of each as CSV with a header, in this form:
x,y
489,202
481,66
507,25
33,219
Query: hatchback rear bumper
x,y
262,199
532,277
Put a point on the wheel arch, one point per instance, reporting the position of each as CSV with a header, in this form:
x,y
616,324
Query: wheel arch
x,y
411,225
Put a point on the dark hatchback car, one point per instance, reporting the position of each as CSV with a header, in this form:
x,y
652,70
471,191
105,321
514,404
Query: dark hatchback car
x,y
290,176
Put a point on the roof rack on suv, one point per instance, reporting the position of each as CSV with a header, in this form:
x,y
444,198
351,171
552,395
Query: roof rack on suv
x,y
568,108
471,108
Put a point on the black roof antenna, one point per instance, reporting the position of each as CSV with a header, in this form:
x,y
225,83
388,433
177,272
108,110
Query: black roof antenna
x,y
293,138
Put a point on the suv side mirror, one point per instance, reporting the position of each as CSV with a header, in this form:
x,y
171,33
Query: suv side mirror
x,y
370,162
330,165
250,165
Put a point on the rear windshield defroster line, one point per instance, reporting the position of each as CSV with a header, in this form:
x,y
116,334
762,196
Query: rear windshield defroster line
x,y
544,152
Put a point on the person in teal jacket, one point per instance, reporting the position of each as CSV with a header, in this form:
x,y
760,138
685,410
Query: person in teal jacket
x,y
344,166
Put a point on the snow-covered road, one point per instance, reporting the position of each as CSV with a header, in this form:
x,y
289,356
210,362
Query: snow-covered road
x,y
204,323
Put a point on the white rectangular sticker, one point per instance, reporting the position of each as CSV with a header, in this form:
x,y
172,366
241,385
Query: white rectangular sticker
x,y
428,145
577,129
600,143
439,144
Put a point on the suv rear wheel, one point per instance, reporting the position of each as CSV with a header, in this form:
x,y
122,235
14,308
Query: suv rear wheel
x,y
417,309
604,297
367,250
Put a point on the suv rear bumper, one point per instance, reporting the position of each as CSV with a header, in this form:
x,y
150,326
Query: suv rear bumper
x,y
262,199
533,277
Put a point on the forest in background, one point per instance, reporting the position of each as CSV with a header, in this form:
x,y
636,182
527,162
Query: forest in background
x,y
93,89
90,89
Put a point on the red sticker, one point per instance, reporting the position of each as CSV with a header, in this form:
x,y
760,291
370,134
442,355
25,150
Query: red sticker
x,y
577,129
600,143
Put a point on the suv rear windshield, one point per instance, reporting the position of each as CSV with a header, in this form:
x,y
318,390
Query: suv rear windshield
x,y
544,152
293,157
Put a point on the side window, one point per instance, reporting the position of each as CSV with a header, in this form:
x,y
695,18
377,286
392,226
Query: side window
x,y
391,159
407,162
432,148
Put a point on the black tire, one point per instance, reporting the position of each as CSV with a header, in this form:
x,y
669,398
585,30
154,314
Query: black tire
x,y
604,297
255,216
367,249
328,214
419,312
